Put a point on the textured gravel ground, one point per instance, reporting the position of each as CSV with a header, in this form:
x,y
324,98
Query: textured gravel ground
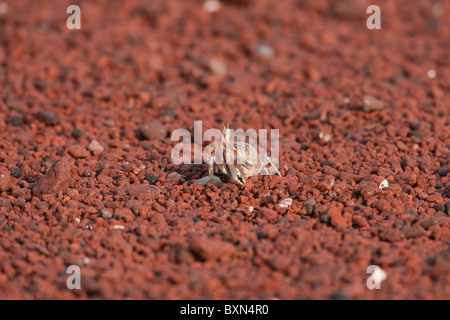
x,y
85,170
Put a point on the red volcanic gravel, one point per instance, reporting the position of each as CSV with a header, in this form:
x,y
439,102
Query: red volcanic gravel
x,y
86,175
57,178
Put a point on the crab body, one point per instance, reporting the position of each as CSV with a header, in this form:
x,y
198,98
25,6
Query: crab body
x,y
238,160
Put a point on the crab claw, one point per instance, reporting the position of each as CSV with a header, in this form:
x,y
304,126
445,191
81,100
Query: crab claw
x,y
226,125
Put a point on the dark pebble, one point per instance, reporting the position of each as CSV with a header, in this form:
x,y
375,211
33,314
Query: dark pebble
x,y
262,234
447,207
273,96
16,173
209,179
416,134
23,152
170,113
325,218
340,295
77,133
442,171
47,159
46,117
411,212
151,178
16,121
439,207
309,205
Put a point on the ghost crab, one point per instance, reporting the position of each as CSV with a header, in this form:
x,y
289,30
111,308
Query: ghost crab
x,y
238,159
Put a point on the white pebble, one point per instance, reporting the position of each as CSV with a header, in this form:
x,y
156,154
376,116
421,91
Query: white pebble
x,y
383,184
265,50
3,8
86,261
251,209
379,275
218,67
119,227
325,137
431,74
78,220
211,6
95,146
285,203
437,9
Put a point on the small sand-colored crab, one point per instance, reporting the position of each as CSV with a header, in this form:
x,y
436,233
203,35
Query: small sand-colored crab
x,y
238,159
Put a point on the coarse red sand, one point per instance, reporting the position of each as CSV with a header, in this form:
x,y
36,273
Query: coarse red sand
x,y
354,107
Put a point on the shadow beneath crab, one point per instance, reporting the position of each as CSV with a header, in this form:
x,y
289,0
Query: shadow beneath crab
x,y
200,174
190,172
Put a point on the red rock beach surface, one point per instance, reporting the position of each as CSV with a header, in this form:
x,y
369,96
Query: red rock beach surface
x,y
86,175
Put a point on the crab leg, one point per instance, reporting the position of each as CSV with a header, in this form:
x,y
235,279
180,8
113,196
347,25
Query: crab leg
x,y
229,163
212,159
276,169
265,161
241,168
234,177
